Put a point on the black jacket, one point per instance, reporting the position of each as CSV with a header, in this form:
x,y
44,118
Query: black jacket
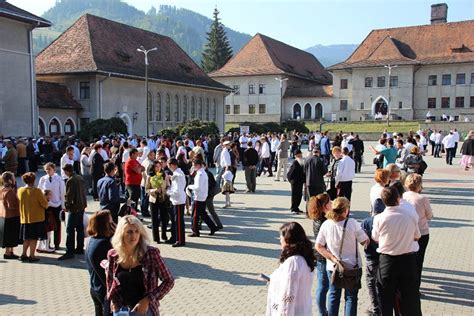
x,y
314,171
468,147
358,146
296,173
250,157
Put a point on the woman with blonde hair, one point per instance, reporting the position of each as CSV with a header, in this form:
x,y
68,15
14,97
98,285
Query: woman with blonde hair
x,y
421,203
337,242
134,270
318,207
467,151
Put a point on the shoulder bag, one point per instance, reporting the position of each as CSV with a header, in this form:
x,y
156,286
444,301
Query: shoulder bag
x,y
344,278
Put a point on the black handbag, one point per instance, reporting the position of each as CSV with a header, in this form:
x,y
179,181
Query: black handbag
x,y
345,278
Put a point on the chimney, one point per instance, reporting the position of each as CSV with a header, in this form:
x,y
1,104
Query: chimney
x,y
439,13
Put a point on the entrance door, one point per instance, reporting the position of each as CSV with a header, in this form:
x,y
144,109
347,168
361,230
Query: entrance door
x,y
307,111
381,107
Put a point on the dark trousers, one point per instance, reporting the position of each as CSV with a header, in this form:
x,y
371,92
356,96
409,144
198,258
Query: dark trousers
x,y
57,225
95,192
33,163
77,167
100,305
212,210
144,202
345,189
172,219
315,190
358,162
432,147
179,220
450,152
399,272
251,177
266,162
420,255
296,195
199,213
272,159
159,217
75,225
437,150
371,268
133,193
455,149
22,166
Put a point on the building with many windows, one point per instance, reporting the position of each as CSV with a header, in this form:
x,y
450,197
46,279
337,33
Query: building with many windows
x,y
272,81
97,60
409,71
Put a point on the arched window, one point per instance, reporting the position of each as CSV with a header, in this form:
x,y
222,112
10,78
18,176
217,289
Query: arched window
x,y
307,111
296,111
54,127
158,107
149,107
41,127
214,110
200,109
168,108
185,109
208,109
69,127
193,108
176,108
318,111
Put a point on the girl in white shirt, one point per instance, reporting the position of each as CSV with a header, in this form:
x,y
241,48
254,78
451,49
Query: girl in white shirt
x,y
289,290
227,187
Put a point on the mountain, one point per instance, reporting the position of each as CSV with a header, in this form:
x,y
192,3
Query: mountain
x,y
185,27
332,54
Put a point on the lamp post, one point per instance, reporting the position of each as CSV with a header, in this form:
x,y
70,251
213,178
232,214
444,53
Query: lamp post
x,y
389,67
144,51
281,96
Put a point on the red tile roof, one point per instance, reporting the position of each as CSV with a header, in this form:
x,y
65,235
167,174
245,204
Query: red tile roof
x,y
97,45
54,95
442,43
11,12
313,91
263,55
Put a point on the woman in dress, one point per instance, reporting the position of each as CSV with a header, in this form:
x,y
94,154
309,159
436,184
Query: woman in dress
x,y
33,204
328,244
9,215
318,207
289,291
467,151
134,271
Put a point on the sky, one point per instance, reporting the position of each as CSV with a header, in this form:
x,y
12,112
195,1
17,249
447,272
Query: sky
x,y
303,23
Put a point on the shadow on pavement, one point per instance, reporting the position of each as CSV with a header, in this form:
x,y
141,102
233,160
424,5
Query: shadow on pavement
x,y
11,299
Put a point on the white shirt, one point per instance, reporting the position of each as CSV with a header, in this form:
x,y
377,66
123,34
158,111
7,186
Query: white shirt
x,y
228,176
125,155
265,150
182,150
177,192
77,153
200,186
408,147
330,236
57,188
438,137
225,158
345,169
243,141
65,161
274,144
290,289
375,193
146,151
449,141
395,231
85,165
345,143
456,136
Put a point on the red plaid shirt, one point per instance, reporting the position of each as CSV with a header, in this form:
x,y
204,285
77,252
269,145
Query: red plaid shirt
x,y
154,269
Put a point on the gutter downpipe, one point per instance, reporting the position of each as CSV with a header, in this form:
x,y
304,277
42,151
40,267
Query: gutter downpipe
x,y
34,128
100,93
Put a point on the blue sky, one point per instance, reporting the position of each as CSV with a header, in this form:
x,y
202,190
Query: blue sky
x,y
304,23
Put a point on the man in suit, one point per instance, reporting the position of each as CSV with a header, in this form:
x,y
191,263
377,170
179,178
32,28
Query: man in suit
x,y
314,170
296,179
249,161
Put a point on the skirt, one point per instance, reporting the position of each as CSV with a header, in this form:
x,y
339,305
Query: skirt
x,y
9,232
467,161
33,231
227,187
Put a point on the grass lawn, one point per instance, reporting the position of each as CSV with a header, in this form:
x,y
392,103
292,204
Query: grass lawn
x,y
367,127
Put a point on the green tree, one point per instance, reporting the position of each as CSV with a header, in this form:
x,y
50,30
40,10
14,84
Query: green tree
x,y
217,50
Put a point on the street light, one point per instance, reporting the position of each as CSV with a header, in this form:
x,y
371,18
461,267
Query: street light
x,y
281,96
389,67
144,51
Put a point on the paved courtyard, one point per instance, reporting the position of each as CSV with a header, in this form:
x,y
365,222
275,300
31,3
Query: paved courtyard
x,y
219,275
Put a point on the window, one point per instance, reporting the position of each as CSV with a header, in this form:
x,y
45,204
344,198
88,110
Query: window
x,y
472,78
369,82
185,109
214,110
381,82
168,108
393,81
158,107
343,83
362,105
400,105
262,109
251,89
445,102
460,78
432,80
251,108
227,109
236,109
343,105
459,102
236,89
261,89
431,103
84,90
446,80
472,102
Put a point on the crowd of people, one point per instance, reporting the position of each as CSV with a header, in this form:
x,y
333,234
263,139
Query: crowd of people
x,y
166,179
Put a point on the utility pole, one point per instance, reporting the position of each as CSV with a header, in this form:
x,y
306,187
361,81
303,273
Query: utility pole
x,y
144,51
281,96
390,67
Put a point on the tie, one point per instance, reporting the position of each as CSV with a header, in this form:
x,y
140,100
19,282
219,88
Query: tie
x,y
50,179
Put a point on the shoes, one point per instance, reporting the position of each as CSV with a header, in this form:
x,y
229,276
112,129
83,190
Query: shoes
x,y
278,180
66,256
57,247
150,226
164,237
220,227
270,175
178,244
146,215
33,259
24,258
247,191
193,235
169,241
10,257
212,233
297,212
79,251
47,250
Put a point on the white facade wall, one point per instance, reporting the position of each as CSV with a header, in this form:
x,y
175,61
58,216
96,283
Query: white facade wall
x,y
313,103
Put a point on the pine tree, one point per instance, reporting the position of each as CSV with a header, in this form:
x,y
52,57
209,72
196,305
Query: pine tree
x,y
217,50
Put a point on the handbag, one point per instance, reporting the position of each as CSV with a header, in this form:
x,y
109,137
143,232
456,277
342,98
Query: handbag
x,y
345,278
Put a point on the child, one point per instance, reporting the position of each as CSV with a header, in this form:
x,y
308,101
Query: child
x,y
227,187
45,245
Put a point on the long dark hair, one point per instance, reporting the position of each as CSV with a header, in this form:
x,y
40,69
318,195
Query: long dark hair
x,y
296,244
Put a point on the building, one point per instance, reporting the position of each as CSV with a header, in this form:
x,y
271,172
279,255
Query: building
x,y
97,60
18,110
273,81
432,69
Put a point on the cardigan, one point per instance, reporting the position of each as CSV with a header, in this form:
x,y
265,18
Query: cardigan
x,y
9,204
33,203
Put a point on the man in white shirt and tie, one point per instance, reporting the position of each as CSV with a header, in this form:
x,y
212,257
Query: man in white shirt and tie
x,y
449,147
67,159
345,174
200,191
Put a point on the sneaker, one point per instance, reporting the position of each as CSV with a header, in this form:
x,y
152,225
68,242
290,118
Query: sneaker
x,y
66,256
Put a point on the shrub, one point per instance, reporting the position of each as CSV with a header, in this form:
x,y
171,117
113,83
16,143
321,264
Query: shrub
x,y
291,125
260,128
97,128
196,128
168,132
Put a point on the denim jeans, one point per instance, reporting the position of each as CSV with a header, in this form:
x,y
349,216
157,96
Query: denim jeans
x,y
334,300
371,268
322,287
75,224
125,310
144,202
